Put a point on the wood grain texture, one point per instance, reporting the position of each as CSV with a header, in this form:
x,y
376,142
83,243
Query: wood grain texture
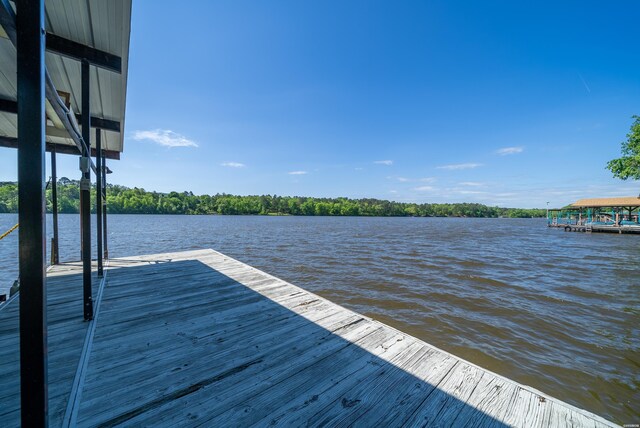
x,y
66,335
197,338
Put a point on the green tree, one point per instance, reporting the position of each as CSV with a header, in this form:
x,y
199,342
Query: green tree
x,y
628,166
124,200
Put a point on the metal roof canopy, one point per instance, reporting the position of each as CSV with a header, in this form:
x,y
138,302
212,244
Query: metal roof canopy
x,y
94,30
622,202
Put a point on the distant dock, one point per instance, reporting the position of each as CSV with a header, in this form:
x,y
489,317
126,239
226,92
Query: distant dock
x,y
605,215
598,228
200,338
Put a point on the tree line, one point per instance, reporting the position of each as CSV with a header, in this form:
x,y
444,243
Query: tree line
x,y
125,200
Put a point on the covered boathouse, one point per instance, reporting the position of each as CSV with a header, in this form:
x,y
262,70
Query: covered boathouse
x,y
610,215
90,345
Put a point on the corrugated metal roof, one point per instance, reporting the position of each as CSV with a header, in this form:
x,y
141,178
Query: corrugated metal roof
x,y
103,25
627,201
8,86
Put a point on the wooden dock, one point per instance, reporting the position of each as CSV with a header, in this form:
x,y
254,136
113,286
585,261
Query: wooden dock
x,y
198,338
597,228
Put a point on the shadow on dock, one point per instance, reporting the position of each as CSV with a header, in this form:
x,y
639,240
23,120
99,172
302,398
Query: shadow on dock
x,y
182,343
66,336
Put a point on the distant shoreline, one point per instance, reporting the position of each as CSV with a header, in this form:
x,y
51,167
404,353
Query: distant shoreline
x,y
125,200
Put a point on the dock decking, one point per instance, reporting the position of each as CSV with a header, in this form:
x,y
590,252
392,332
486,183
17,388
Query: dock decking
x,y
198,338
597,228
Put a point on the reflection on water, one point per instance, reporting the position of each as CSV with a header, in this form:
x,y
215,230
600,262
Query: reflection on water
x,y
554,310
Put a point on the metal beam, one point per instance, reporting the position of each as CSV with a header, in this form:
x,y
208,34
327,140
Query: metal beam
x,y
78,51
64,149
10,106
66,47
102,123
85,196
29,36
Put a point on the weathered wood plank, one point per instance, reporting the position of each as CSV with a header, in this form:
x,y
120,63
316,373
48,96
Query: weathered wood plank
x,y
227,337
233,392
342,366
66,333
209,348
252,355
427,373
528,410
488,404
448,399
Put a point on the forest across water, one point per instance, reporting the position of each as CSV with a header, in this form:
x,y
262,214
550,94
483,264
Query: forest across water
x,y
125,200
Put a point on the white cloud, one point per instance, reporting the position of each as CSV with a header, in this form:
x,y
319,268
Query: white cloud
x,y
469,192
164,137
459,166
471,183
297,173
384,162
510,150
423,188
405,179
233,164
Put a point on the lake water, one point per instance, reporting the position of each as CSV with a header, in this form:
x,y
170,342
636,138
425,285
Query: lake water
x,y
554,310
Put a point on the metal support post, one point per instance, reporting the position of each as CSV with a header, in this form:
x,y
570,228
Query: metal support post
x,y
85,193
99,198
55,257
104,210
32,208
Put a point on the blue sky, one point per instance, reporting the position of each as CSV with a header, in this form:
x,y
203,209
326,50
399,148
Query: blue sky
x,y
504,103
